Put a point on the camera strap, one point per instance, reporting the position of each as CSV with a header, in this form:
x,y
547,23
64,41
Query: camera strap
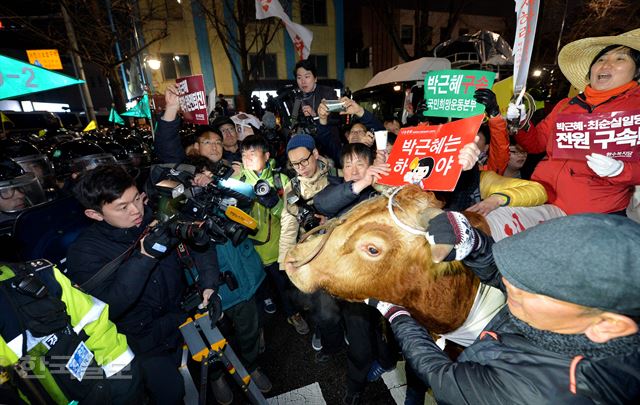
x,y
188,264
109,268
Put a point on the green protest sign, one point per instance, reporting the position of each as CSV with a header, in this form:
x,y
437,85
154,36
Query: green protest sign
x,y
18,78
449,93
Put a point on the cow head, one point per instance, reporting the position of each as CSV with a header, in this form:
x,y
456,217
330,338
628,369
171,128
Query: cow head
x,y
365,254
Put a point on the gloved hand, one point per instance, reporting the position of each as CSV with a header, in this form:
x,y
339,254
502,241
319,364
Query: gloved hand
x,y
488,98
158,242
453,229
516,112
389,311
604,166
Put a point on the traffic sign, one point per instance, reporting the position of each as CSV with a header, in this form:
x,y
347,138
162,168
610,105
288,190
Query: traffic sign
x,y
18,78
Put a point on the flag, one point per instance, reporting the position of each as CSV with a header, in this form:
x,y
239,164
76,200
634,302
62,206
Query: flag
x,y
5,119
115,117
300,36
91,126
527,19
20,78
140,110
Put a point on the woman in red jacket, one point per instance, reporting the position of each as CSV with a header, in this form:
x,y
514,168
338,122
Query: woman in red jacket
x,y
605,118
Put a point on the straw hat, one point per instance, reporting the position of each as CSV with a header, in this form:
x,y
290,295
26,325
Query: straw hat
x,y
576,57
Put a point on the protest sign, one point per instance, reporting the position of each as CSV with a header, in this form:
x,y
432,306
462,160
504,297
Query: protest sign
x,y
18,78
193,101
427,155
449,93
613,134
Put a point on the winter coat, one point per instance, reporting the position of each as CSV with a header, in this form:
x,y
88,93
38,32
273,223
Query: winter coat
x,y
571,184
267,238
521,193
245,264
144,293
309,187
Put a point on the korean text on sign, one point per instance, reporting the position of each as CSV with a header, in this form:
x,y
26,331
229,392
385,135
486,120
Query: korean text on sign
x,y
613,134
428,155
449,93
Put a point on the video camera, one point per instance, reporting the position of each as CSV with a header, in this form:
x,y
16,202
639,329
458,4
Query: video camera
x,y
197,214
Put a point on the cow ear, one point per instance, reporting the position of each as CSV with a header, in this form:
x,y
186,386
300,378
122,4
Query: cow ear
x,y
439,252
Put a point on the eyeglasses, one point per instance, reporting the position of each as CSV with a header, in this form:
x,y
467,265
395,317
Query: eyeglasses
x,y
8,193
216,143
302,163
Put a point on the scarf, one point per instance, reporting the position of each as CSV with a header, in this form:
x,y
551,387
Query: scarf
x,y
576,344
597,97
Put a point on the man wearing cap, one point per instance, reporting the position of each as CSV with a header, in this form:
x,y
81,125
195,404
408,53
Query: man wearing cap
x,y
597,121
569,333
312,171
230,143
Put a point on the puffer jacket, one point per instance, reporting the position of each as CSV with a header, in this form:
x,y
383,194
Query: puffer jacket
x,y
309,187
521,193
571,184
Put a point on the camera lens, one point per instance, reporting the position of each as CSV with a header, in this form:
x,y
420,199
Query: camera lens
x,y
262,188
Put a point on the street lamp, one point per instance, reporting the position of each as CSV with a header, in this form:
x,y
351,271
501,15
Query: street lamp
x,y
153,62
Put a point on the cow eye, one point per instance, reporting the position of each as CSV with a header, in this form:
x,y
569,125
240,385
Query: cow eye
x,y
372,250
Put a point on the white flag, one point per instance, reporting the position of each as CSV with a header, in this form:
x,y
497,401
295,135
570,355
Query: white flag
x,y
300,36
527,19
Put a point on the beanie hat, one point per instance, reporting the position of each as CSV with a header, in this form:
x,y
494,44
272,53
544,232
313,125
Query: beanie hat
x,y
589,259
301,141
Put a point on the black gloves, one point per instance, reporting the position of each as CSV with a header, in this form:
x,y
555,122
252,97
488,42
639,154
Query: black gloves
x,y
159,242
488,98
452,228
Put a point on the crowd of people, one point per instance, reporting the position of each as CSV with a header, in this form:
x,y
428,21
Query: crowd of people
x,y
568,334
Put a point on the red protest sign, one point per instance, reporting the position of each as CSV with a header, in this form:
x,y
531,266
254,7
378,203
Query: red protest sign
x,y
193,101
613,134
427,155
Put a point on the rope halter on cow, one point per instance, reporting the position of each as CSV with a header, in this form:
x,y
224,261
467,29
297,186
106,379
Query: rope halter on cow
x,y
328,228
402,225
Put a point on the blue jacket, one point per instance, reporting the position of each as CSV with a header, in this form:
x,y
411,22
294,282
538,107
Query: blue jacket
x,y
245,264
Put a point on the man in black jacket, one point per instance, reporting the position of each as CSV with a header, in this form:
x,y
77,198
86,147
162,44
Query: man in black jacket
x,y
365,345
569,333
145,290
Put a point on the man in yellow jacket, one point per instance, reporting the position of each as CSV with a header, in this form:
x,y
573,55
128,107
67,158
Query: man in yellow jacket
x,y
57,344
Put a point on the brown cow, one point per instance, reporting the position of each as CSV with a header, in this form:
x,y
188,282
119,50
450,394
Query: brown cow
x,y
364,254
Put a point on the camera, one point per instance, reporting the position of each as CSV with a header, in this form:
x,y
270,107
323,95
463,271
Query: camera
x,y
335,105
199,215
306,215
265,194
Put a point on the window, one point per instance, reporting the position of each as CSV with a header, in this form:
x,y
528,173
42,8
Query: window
x,y
174,66
267,67
313,12
321,65
165,9
406,34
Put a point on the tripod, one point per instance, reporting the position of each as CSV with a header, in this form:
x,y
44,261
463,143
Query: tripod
x,y
207,345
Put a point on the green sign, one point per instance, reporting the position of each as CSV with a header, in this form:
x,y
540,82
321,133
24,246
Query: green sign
x,y
449,93
18,78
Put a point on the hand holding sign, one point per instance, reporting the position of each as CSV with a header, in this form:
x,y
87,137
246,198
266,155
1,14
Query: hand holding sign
x,y
434,156
192,99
